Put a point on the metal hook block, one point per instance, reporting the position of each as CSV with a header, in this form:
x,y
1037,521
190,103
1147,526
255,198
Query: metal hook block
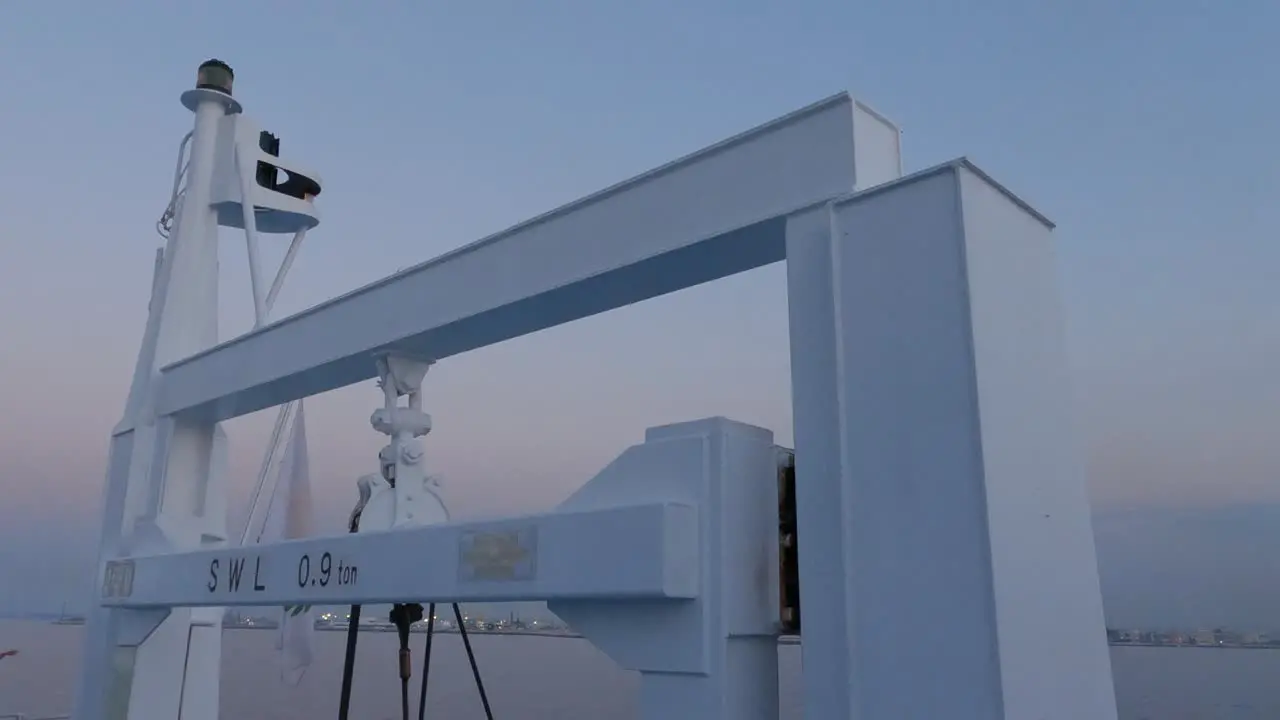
x,y
404,372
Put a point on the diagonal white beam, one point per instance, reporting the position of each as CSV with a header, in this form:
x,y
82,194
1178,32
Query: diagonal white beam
x,y
639,552
717,212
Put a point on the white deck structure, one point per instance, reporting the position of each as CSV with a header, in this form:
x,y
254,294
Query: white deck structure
x,y
946,557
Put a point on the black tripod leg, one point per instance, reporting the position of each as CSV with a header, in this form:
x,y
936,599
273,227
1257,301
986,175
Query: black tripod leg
x,y
475,669
349,663
426,661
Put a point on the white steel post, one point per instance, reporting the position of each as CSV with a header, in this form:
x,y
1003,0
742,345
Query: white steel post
x,y
714,657
245,169
163,472
947,566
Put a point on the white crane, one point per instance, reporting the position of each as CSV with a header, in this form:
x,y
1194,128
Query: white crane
x,y
938,484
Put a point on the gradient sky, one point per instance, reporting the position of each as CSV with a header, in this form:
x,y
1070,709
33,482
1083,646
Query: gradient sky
x,y
1146,129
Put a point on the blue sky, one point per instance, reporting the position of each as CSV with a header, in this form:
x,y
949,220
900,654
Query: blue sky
x,y
1145,129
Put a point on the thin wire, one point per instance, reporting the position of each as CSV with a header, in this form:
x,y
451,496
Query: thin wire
x,y
165,224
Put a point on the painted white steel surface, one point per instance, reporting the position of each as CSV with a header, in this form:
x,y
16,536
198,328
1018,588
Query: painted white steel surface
x,y
666,561
715,656
234,179
938,479
643,551
1054,660
159,473
166,481
926,422
712,214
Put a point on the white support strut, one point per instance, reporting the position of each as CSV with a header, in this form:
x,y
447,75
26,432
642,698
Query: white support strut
x,y
714,213
558,555
289,256
245,169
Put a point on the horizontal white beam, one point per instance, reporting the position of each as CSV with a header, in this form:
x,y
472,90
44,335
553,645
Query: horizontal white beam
x,y
641,552
715,213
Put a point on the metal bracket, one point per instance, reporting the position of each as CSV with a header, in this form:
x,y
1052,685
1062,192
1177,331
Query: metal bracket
x,y
402,373
137,625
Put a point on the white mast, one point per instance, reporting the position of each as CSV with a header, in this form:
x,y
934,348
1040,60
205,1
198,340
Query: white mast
x,y
165,486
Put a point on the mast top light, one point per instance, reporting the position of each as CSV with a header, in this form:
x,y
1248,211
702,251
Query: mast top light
x,y
214,80
214,74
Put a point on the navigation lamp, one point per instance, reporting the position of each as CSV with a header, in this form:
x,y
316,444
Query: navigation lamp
x,y
215,75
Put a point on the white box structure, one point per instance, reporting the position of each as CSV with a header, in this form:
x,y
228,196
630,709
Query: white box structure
x,y
946,558
958,575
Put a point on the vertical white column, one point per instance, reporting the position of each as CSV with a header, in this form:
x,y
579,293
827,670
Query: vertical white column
x,y
946,557
177,669
174,672
93,701
714,657
826,602
824,593
190,320
739,525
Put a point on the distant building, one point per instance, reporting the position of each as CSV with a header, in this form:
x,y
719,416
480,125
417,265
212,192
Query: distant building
x,y
1203,637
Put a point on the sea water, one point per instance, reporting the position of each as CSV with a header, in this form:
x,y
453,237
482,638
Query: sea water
x,y
547,678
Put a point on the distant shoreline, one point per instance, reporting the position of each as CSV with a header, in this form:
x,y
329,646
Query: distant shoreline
x,y
419,629
782,639
1225,646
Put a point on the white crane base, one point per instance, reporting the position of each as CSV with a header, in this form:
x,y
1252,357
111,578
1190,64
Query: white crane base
x,y
683,528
